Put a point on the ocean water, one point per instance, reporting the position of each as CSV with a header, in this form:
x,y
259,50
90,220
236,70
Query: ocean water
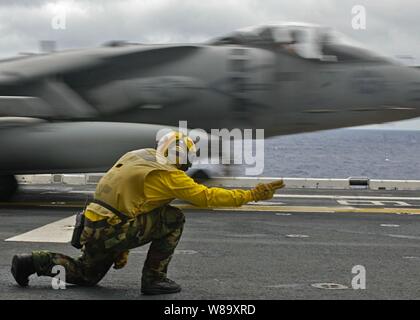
x,y
341,153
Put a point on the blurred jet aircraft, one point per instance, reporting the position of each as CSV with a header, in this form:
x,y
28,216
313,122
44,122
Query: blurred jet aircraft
x,y
79,110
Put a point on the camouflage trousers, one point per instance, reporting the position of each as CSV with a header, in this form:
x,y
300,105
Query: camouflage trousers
x,y
103,243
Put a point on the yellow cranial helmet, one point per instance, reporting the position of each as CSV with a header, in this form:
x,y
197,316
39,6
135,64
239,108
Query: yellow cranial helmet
x,y
178,148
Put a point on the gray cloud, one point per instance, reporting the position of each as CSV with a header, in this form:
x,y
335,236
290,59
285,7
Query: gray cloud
x,y
391,26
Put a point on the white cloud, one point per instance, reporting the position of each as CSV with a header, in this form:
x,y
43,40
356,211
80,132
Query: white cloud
x,y
392,26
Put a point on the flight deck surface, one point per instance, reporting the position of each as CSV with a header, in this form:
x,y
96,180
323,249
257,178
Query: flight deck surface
x,y
277,249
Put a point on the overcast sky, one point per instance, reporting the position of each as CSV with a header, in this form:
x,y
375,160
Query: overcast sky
x,y
392,26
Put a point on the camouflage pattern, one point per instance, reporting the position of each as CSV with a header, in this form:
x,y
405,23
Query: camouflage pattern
x,y
104,243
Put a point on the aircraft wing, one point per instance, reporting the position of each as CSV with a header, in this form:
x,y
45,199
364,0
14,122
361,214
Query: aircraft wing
x,y
36,87
20,70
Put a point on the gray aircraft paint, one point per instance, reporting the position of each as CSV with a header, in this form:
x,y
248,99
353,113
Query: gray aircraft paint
x,y
79,110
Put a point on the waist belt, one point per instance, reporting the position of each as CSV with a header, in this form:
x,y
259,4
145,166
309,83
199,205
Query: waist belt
x,y
119,214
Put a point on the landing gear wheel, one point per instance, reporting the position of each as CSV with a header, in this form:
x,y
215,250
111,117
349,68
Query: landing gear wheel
x,y
8,187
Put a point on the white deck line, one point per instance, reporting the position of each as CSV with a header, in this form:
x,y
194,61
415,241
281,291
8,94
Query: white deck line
x,y
307,196
338,197
245,182
57,232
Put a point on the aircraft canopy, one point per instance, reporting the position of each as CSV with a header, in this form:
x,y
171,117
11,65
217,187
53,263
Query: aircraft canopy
x,y
307,41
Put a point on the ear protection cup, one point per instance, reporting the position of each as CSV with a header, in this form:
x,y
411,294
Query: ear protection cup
x,y
177,149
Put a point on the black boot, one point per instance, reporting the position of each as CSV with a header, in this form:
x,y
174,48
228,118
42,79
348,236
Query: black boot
x,y
164,286
22,268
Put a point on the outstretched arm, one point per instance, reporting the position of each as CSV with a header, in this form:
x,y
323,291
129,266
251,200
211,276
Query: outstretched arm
x,y
177,184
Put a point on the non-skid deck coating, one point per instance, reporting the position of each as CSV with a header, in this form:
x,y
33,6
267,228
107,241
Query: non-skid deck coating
x,y
276,249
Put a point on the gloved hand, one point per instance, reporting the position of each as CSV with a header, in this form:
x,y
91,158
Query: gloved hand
x,y
262,192
265,191
278,184
121,260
